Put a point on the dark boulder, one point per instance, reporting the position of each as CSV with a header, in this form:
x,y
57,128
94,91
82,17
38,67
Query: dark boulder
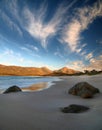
x,y
73,108
83,89
12,89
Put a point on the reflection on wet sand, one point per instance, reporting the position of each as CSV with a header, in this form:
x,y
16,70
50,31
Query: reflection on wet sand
x,y
36,87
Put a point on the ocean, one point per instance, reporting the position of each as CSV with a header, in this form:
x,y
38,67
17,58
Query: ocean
x,y
23,81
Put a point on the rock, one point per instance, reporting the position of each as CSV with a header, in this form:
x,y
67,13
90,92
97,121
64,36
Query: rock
x,y
12,89
73,108
86,94
83,89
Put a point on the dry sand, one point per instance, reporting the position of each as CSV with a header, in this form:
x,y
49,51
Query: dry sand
x,y
41,110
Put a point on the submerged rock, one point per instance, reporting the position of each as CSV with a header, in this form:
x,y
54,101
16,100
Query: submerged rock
x,y
73,108
12,89
83,89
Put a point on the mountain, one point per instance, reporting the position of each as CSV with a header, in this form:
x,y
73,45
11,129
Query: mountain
x,y
66,71
34,71
24,71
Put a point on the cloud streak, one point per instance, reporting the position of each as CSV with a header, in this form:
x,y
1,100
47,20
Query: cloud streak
x,y
31,51
33,21
83,18
17,57
95,63
89,56
11,24
43,31
12,56
76,65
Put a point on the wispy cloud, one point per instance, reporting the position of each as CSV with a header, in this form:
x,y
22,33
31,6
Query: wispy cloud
x,y
12,56
31,50
36,27
58,53
3,40
83,18
83,53
25,49
10,23
12,7
95,63
43,31
33,21
76,65
16,58
71,34
89,56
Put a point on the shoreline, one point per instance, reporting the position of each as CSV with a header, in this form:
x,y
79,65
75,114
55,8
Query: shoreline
x,y
40,110
27,83
38,87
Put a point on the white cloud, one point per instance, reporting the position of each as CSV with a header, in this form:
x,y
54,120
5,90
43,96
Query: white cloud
x,y
84,17
58,54
33,48
15,58
6,52
11,56
84,45
13,8
33,20
25,49
95,63
3,39
89,56
83,53
29,49
79,50
76,65
10,23
43,31
72,34
37,28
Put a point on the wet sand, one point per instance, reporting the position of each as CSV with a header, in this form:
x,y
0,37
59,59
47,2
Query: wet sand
x,y
36,87
40,110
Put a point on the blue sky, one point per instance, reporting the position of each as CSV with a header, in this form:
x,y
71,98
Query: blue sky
x,y
51,33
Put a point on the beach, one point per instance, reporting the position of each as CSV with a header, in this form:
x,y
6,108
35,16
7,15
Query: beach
x,y
40,110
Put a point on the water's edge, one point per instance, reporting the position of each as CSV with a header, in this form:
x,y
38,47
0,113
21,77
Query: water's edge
x,y
27,83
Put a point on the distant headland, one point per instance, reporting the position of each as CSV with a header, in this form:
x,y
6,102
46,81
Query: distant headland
x,y
43,71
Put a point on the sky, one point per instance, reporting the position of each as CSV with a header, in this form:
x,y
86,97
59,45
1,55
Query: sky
x,y
51,33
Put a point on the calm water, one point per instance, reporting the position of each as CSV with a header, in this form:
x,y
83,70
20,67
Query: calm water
x,y
23,81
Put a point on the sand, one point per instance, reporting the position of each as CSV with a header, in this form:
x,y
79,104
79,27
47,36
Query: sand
x,y
40,110
36,87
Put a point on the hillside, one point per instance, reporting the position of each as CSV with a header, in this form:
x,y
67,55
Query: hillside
x,y
24,71
34,71
66,70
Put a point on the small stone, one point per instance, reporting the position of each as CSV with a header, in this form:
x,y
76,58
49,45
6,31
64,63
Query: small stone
x,y
73,108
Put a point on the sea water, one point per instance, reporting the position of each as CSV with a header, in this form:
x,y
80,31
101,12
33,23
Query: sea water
x,y
23,81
